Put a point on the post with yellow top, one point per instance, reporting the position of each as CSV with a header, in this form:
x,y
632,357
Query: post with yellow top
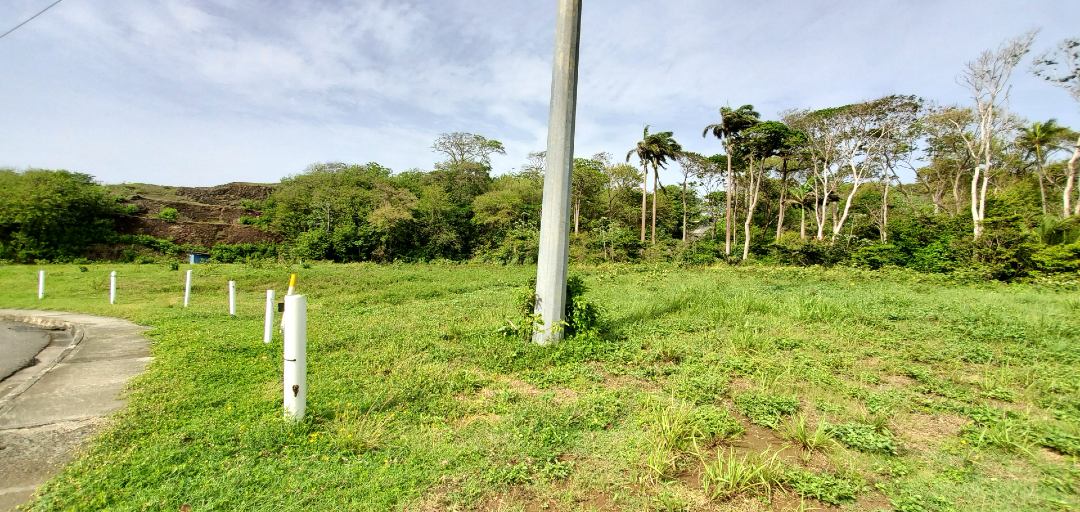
x,y
292,284
292,290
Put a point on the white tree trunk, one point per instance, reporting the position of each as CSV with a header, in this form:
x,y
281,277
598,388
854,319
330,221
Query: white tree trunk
x,y
838,225
1067,196
751,202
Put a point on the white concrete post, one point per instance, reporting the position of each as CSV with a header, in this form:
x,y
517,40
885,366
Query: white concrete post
x,y
268,327
187,289
112,287
295,352
41,284
555,212
232,297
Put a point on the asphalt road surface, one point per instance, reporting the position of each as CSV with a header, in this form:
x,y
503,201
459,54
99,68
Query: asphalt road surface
x,y
19,343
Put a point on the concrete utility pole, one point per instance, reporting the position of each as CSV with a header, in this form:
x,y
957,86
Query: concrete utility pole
x,y
555,213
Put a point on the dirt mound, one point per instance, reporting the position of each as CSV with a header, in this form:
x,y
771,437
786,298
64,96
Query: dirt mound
x,y
193,212
200,234
228,194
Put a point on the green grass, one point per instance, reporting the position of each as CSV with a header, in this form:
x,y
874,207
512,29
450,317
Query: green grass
x,y
941,396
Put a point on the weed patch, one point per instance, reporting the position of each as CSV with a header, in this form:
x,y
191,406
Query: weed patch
x,y
766,410
863,437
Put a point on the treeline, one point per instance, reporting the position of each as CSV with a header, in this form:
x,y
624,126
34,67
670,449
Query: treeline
x,y
993,193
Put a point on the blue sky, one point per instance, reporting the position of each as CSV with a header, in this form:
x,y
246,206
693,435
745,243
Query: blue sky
x,y
203,92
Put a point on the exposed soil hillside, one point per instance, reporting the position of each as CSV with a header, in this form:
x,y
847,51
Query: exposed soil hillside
x,y
205,215
204,234
192,212
229,194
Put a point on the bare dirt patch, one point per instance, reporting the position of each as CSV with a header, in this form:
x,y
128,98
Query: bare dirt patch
x,y
627,382
927,431
897,381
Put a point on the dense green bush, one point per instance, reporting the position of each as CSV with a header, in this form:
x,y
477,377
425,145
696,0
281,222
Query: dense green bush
x,y
168,214
51,215
793,250
243,252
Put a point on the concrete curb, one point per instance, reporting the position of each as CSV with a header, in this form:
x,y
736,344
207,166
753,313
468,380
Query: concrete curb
x,y
78,332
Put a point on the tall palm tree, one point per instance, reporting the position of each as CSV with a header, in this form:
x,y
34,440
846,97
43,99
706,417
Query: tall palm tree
x,y
732,123
645,149
655,149
1039,140
666,148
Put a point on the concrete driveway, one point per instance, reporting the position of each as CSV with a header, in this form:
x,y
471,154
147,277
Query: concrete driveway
x,y
50,408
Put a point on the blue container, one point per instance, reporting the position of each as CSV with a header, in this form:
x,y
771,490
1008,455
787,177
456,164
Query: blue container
x,y
198,257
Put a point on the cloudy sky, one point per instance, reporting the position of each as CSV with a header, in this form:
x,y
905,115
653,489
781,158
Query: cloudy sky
x,y
203,92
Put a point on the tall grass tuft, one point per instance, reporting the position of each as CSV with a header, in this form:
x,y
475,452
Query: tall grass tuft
x,y
751,475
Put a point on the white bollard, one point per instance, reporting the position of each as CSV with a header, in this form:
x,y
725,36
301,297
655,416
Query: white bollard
x,y
295,352
268,328
112,287
232,297
187,289
41,284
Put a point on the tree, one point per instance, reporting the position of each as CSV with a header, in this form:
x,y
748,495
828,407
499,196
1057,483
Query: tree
x,y
654,148
710,178
987,78
51,215
947,129
1062,68
793,145
1039,140
691,164
823,134
732,122
587,181
461,148
666,148
758,143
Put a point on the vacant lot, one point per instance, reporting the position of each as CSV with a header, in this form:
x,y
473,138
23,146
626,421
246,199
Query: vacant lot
x,y
702,389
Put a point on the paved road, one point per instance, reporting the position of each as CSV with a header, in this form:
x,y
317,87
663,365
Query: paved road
x,y
49,409
19,343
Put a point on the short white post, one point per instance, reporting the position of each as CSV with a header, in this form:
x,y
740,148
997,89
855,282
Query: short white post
x,y
187,289
112,287
232,297
295,352
268,327
41,284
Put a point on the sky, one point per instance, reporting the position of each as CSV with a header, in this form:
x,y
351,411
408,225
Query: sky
x,y
204,92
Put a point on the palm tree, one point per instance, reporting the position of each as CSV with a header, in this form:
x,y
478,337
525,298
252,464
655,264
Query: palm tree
x,y
732,123
644,150
654,148
1039,140
666,148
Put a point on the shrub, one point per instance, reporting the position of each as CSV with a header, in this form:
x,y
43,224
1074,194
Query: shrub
x,y
875,256
243,252
262,222
168,214
313,245
1057,258
582,315
793,250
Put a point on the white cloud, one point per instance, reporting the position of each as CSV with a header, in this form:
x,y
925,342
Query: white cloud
x,y
206,91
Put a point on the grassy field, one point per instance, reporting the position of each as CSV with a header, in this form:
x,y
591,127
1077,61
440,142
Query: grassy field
x,y
704,389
